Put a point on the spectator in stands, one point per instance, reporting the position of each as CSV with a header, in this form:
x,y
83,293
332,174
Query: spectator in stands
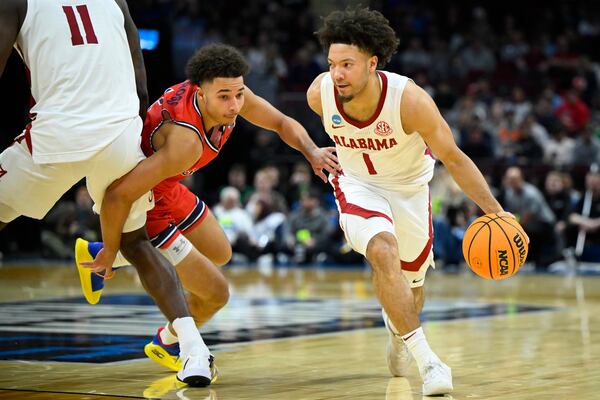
x,y
478,59
589,224
263,191
237,179
299,182
527,149
236,223
310,230
476,142
573,113
559,201
415,58
527,203
587,148
559,149
520,105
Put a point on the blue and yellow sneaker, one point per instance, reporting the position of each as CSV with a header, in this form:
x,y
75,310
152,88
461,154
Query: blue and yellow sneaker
x,y
166,355
91,283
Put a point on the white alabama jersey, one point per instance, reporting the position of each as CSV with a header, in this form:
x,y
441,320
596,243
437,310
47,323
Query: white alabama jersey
x,y
377,151
82,77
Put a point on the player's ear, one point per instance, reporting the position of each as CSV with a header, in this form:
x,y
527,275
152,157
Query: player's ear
x,y
373,63
200,92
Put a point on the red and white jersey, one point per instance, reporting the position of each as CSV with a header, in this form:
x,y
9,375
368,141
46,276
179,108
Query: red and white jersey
x,y
179,105
82,77
377,151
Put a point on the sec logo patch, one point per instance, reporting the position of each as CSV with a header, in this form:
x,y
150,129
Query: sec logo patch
x,y
383,128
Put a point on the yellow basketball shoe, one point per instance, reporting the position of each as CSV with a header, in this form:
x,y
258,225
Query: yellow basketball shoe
x,y
91,283
167,355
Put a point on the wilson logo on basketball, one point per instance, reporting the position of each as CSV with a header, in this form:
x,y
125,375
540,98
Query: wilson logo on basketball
x,y
383,128
503,262
520,245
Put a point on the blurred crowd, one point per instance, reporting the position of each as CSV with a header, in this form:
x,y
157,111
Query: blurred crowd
x,y
519,87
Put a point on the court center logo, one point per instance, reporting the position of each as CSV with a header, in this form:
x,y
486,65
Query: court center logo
x,y
383,128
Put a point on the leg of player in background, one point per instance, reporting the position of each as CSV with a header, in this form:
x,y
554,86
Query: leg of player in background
x,y
397,298
151,266
162,284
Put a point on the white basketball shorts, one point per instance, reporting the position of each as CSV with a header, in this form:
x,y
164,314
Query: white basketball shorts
x,y
31,189
366,210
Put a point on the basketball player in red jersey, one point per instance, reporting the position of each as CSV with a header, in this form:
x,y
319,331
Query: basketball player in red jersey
x,y
384,126
184,130
86,65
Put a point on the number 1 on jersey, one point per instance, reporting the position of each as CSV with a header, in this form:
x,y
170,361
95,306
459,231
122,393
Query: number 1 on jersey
x,y
369,164
84,15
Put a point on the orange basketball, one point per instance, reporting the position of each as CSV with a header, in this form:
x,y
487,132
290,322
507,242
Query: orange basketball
x,y
495,247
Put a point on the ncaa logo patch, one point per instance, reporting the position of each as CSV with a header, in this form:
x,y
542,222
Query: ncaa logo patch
x,y
383,128
336,119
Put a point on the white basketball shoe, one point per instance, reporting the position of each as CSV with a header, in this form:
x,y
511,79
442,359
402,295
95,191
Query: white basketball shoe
x,y
198,370
437,378
398,356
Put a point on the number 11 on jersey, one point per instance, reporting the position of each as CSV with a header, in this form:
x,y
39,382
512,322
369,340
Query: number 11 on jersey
x,y
84,15
369,164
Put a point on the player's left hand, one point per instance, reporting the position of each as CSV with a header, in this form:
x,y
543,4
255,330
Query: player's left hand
x,y
324,158
102,264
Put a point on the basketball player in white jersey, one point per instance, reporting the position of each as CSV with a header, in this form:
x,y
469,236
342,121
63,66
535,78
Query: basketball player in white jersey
x,y
383,126
85,66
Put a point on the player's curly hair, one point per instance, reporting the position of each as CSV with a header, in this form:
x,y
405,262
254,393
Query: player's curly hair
x,y
367,29
216,61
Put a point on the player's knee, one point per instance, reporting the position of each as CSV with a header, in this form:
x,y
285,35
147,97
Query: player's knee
x,y
210,300
224,255
382,250
218,295
221,297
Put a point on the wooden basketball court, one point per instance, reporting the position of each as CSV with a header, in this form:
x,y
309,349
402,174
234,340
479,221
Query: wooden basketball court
x,y
301,334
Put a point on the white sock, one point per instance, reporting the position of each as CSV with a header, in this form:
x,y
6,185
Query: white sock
x,y
419,348
189,336
167,337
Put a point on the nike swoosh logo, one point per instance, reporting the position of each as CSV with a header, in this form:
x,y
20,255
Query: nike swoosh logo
x,y
417,280
337,127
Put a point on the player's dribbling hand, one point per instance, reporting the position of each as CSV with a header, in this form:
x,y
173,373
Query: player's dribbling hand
x,y
510,215
102,264
324,158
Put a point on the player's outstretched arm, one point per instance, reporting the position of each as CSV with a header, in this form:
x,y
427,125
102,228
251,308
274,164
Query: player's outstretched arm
x,y
180,151
261,113
420,114
136,56
12,14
